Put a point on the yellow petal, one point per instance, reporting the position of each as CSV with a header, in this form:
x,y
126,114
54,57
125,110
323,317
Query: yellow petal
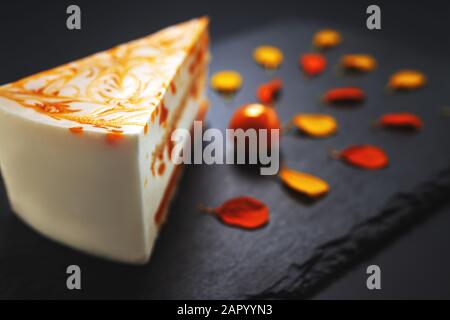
x,y
361,62
305,183
315,125
326,38
407,80
226,81
267,56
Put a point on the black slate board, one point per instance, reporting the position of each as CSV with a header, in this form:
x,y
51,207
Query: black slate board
x,y
197,257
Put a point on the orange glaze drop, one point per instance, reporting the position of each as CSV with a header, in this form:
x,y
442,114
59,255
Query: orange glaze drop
x,y
153,116
196,61
192,67
170,146
191,50
194,90
173,88
76,131
152,169
164,113
146,128
114,137
162,209
161,168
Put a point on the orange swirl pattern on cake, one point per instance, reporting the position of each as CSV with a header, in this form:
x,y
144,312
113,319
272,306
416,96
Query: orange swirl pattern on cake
x,y
118,87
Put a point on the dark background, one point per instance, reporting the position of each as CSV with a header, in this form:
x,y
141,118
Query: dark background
x,y
34,38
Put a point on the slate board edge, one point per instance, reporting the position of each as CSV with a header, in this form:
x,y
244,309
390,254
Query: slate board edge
x,y
400,213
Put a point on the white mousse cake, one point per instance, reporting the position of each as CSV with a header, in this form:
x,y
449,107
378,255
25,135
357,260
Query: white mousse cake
x,y
85,147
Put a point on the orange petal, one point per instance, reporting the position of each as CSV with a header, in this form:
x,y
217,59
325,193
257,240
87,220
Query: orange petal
x,y
358,62
326,38
401,120
313,63
345,94
365,157
226,81
244,212
268,56
304,183
315,125
407,80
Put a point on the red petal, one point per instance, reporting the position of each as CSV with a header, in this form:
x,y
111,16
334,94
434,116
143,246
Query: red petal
x,y
265,94
276,84
313,63
245,212
365,156
351,94
401,120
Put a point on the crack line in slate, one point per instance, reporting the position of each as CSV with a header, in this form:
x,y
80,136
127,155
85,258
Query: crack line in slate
x,y
400,213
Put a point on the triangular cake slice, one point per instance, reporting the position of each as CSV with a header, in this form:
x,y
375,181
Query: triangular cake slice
x,y
85,147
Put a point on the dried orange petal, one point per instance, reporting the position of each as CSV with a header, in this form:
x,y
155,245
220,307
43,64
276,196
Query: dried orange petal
x,y
313,63
326,38
226,81
345,94
267,92
268,56
315,125
358,62
407,80
365,157
401,120
304,183
244,212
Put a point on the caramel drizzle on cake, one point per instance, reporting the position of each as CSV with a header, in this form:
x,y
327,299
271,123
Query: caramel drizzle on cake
x,y
119,87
